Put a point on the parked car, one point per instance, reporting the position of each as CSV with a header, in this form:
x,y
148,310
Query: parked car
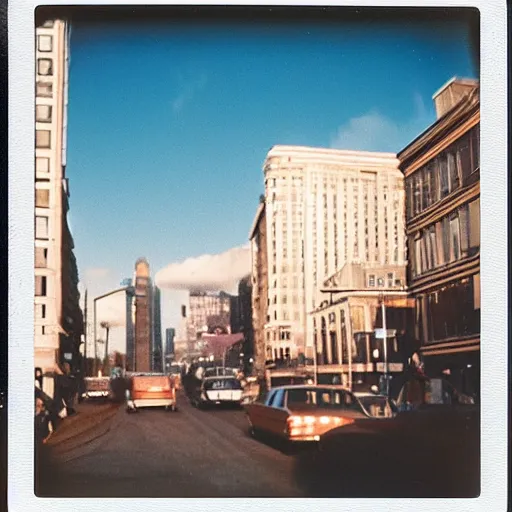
x,y
307,413
150,390
431,447
222,390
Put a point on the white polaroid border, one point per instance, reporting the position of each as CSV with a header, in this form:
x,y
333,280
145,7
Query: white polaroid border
x,y
494,350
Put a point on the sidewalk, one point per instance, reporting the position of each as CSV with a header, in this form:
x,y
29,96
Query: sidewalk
x,y
89,416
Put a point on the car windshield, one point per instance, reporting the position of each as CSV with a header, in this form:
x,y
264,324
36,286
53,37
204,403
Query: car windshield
x,y
377,406
325,398
215,384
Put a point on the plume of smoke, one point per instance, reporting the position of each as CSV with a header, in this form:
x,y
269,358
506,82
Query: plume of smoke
x,y
207,273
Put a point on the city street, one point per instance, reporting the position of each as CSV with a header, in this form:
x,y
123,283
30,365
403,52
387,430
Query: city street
x,y
195,453
191,453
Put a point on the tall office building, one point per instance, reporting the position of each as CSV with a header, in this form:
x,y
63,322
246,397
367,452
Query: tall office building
x,y
58,317
259,295
143,319
324,208
157,346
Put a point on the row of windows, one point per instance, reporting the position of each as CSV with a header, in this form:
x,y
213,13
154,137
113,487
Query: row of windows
x,y
445,173
451,311
455,237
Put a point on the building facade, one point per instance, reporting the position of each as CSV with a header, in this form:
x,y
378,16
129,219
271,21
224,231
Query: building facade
x,y
58,323
259,294
209,312
442,179
324,208
157,345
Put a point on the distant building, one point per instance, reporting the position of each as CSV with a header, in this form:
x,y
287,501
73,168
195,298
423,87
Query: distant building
x,y
208,313
324,208
259,293
143,318
58,322
170,334
157,345
442,179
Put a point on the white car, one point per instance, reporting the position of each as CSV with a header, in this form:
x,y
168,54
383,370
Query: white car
x,y
222,390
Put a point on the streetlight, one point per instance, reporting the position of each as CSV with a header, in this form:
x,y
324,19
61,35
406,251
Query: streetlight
x,y
96,299
384,341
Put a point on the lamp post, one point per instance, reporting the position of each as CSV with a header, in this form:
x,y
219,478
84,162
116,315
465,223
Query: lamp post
x,y
96,299
384,341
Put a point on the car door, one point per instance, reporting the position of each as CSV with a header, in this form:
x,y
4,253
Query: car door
x,y
257,411
276,414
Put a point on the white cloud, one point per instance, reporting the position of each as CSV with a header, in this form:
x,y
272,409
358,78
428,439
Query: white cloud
x,y
207,272
187,90
373,131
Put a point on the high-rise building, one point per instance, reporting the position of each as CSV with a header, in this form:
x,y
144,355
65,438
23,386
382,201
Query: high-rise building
x,y
58,317
143,318
170,333
324,208
157,346
259,263
442,179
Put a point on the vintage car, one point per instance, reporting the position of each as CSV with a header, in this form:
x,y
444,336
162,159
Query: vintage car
x,y
96,387
150,390
222,390
306,413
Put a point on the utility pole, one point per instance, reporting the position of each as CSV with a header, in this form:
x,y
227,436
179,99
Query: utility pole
x,y
385,345
86,328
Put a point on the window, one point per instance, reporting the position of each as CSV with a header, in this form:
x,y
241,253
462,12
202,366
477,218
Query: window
x,y
446,239
44,67
439,244
464,230
41,257
391,279
433,246
380,282
371,280
44,89
417,255
443,176
417,193
454,239
42,164
43,113
474,226
453,174
464,157
40,311
42,228
475,148
42,198
41,286
42,138
44,43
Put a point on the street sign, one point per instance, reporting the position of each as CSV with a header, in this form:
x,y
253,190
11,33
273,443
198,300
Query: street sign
x,y
379,333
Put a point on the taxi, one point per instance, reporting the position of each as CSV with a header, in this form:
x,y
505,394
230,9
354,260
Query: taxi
x,y
150,390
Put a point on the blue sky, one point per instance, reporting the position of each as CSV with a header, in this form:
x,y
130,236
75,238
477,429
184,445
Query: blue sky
x,y
169,125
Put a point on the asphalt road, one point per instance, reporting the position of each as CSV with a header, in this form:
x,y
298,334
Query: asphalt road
x,y
195,453
190,453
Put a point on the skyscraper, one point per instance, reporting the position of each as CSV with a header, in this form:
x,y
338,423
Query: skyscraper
x,y
324,208
143,319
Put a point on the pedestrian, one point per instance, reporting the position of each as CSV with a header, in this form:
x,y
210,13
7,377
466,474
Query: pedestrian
x,y
43,424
